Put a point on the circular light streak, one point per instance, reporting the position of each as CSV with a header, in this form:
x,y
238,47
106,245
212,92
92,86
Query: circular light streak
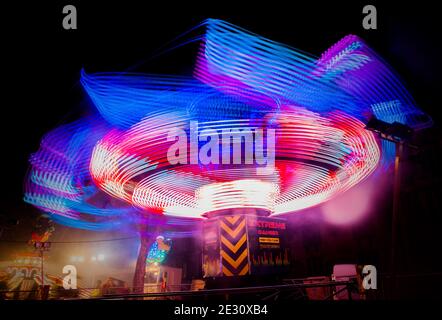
x,y
315,159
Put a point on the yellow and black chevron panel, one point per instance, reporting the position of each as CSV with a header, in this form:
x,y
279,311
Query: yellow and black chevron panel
x,y
234,246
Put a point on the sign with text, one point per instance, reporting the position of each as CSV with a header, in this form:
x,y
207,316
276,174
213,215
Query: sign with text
x,y
268,247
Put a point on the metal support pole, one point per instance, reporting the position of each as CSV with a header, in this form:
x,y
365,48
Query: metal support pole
x,y
42,271
395,213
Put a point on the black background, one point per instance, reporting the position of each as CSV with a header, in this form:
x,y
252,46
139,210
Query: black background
x,y
42,61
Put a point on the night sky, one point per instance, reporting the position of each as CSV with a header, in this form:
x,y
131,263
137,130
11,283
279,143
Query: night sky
x,y
43,62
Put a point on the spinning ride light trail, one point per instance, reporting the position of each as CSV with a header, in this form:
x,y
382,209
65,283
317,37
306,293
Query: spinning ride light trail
x,y
316,158
114,169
